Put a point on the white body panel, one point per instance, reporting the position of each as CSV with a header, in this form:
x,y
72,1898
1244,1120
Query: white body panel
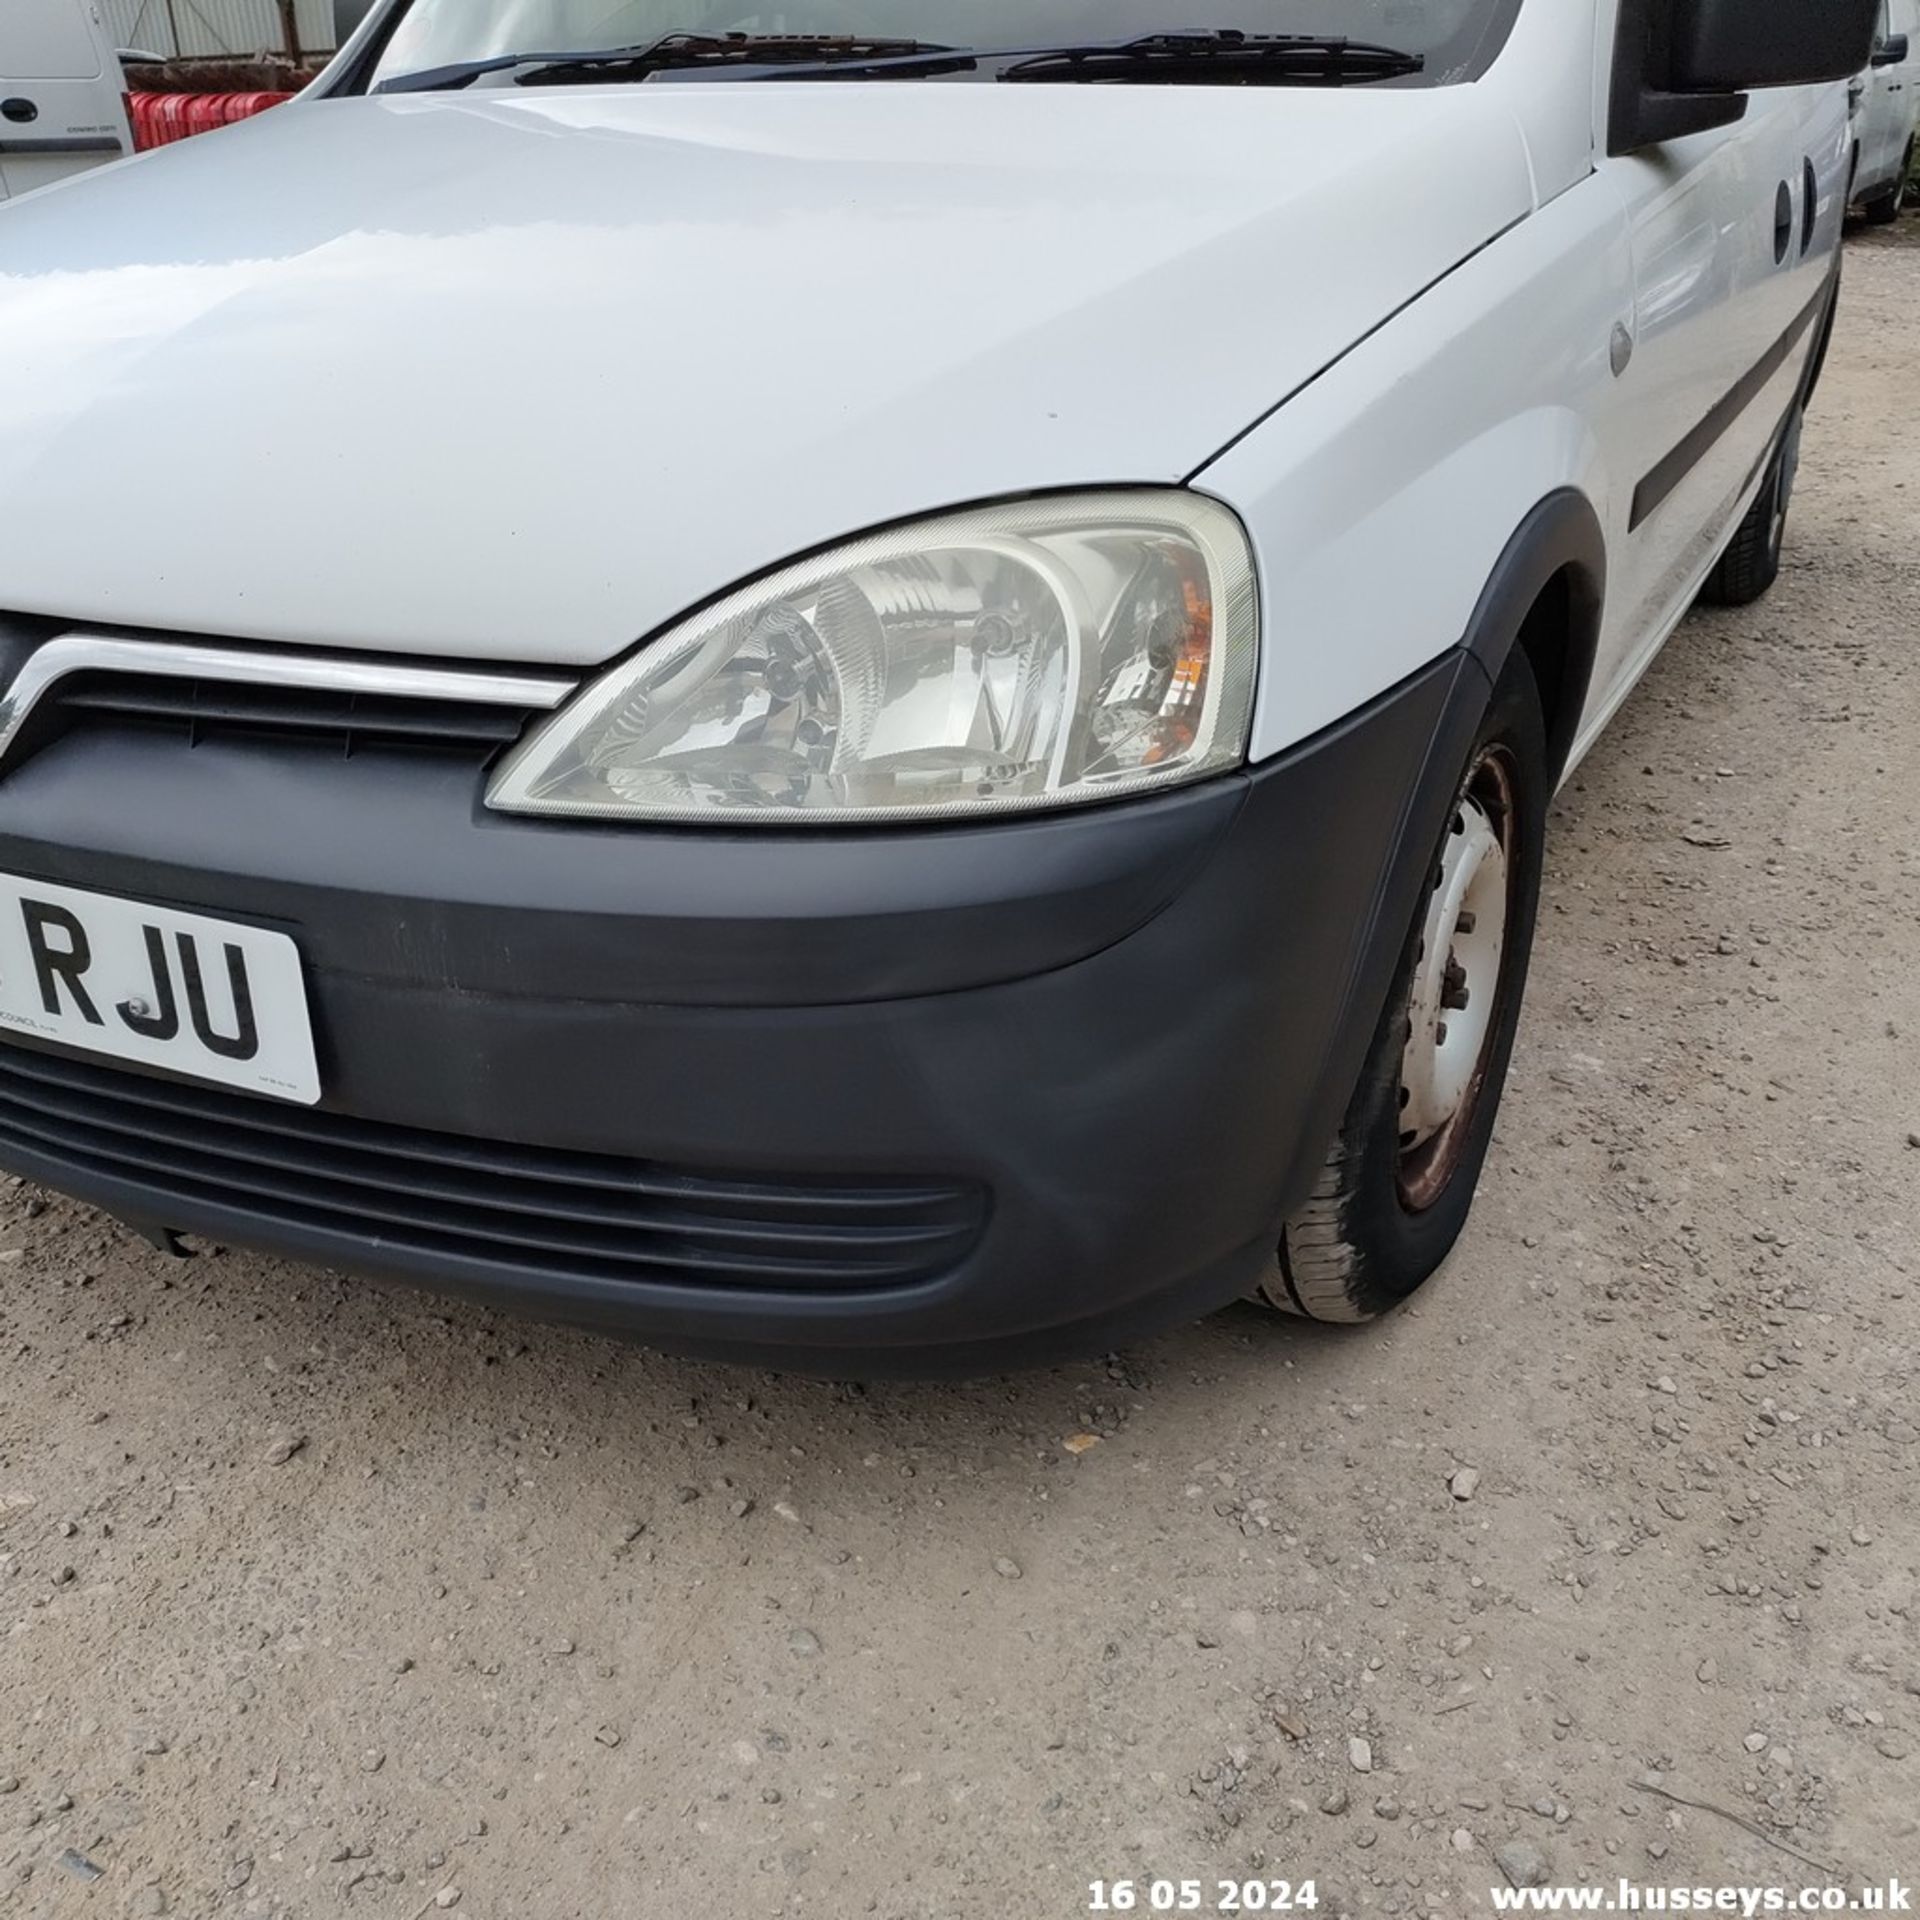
x,y
1710,299
1382,497
548,370
57,57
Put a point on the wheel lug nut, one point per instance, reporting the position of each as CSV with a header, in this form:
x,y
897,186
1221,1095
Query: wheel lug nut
x,y
1466,922
1440,1033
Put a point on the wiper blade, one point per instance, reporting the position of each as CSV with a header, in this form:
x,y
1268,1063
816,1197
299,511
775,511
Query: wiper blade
x,y
759,50
1213,53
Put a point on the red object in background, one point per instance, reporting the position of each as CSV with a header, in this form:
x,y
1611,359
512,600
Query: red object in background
x,y
161,118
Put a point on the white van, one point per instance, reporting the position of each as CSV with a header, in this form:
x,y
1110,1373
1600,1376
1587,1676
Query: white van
x,y
63,104
1889,110
882,694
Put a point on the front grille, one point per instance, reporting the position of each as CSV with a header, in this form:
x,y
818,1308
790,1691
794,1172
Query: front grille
x,y
531,1210
197,710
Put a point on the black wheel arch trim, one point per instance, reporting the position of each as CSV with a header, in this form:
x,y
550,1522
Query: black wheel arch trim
x,y
1560,536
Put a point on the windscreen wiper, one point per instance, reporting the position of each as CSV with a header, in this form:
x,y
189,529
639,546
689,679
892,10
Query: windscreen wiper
x,y
1211,53
1201,53
1221,53
757,50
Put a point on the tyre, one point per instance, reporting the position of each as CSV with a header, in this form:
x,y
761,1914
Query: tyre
x,y
1751,563
1399,1177
1883,209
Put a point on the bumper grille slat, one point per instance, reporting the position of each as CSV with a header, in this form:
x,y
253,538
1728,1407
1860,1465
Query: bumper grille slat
x,y
488,1160
249,1162
196,703
193,1147
199,708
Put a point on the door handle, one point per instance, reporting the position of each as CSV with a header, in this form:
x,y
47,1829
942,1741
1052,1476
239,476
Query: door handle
x,y
1782,223
21,111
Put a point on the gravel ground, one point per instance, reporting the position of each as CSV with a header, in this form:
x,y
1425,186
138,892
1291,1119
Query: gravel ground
x,y
316,1599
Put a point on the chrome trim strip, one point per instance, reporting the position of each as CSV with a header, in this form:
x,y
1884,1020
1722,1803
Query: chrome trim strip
x,y
71,653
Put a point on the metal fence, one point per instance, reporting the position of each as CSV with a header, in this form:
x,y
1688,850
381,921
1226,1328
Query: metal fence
x,y
217,29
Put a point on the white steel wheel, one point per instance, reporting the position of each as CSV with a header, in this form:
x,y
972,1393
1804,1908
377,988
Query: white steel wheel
x,y
1456,981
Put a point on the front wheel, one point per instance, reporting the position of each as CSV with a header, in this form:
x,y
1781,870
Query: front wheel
x,y
1399,1177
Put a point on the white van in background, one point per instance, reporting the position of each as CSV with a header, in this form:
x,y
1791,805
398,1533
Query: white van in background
x,y
1889,93
62,100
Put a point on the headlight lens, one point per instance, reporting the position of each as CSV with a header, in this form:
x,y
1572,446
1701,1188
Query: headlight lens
x,y
1024,656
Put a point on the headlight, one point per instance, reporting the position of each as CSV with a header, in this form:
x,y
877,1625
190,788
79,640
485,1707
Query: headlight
x,y
1015,657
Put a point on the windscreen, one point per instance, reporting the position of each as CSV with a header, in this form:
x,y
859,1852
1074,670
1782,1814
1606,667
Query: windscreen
x,y
1457,38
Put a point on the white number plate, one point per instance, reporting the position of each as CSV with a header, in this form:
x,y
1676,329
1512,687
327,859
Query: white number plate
x,y
203,997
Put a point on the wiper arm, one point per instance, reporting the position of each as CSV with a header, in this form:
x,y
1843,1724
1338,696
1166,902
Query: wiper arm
x,y
670,50
1213,53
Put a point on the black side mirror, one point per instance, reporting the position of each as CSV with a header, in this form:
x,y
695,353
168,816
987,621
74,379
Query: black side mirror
x,y
347,15
1891,51
1688,65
